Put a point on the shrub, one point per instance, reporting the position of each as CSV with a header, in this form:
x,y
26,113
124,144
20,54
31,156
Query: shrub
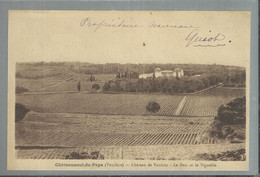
x,y
19,89
157,158
20,112
85,155
153,107
236,155
236,138
226,131
18,75
95,86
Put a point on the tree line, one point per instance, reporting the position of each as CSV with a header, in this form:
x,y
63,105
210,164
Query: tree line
x,y
113,68
232,75
169,85
195,79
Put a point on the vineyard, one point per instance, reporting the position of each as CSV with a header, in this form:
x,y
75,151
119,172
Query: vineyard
x,y
62,121
204,105
79,130
58,134
112,104
122,104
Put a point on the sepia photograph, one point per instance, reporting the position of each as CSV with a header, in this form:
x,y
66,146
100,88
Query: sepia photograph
x,y
128,90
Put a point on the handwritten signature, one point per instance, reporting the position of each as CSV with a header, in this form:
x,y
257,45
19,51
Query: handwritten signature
x,y
197,40
194,38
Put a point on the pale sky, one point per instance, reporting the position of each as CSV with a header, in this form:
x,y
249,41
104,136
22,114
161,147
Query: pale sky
x,y
63,36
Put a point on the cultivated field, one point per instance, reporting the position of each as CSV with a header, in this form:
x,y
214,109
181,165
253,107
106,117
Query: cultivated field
x,y
125,104
122,104
55,135
79,130
204,105
165,152
62,120
52,136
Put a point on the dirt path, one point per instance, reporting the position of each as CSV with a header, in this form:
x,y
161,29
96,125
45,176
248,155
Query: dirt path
x,y
55,85
209,88
180,106
45,93
41,90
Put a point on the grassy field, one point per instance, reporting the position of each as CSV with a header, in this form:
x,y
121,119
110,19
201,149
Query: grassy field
x,y
62,83
36,72
225,92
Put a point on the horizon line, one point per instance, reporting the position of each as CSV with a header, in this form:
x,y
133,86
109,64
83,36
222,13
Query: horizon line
x,y
127,63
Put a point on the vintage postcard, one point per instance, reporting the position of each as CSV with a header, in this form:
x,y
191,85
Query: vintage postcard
x,y
128,90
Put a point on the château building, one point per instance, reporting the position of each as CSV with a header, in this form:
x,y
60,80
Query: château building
x,y
178,73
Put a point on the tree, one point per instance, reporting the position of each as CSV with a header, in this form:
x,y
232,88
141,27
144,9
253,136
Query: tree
x,y
95,87
106,86
20,112
153,107
79,86
233,113
19,89
92,78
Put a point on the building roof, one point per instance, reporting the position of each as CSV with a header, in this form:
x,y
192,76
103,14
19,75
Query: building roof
x,y
177,69
166,71
146,74
157,69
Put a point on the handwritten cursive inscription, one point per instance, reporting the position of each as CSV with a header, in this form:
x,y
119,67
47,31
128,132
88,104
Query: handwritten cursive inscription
x,y
157,25
197,40
126,23
114,23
